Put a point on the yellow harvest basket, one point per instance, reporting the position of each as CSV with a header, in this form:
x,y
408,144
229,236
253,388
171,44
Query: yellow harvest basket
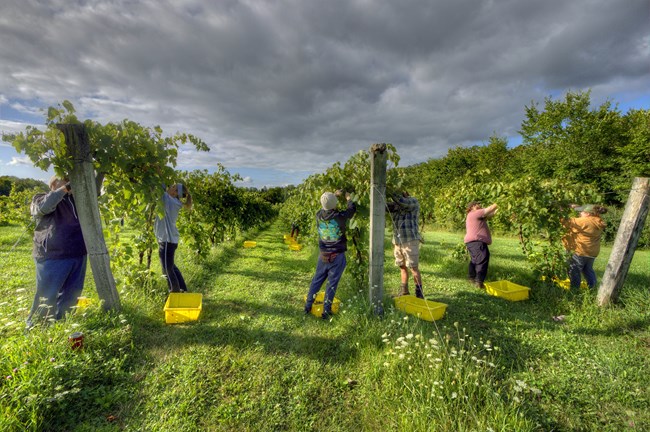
x,y
507,290
424,309
83,302
566,283
183,307
250,244
317,307
295,246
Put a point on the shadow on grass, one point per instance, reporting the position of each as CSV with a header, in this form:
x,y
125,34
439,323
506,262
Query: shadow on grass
x,y
215,327
495,319
619,329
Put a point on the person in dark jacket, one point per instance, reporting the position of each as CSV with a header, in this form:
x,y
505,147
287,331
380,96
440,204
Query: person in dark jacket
x,y
59,252
332,243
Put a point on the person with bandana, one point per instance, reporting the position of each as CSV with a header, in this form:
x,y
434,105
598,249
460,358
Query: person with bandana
x,y
332,242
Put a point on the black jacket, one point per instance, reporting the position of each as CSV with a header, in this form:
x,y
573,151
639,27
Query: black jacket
x,y
58,233
331,228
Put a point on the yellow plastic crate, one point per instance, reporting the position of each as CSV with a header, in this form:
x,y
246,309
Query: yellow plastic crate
x,y
250,244
507,290
295,246
83,302
183,307
317,307
424,309
566,283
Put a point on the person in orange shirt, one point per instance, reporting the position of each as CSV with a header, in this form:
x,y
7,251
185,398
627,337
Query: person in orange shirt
x,y
583,239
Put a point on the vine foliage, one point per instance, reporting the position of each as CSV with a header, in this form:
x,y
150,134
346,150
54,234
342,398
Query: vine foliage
x,y
354,177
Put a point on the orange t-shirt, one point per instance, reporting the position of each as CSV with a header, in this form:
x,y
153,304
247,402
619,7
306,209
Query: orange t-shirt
x,y
583,236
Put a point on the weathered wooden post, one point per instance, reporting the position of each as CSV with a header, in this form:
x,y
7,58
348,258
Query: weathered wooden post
x,y
377,226
82,181
627,237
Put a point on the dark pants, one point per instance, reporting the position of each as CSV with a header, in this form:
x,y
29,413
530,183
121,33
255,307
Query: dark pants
x,y
582,265
58,284
479,260
166,252
332,271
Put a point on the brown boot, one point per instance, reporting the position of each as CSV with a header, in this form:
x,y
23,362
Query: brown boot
x,y
403,290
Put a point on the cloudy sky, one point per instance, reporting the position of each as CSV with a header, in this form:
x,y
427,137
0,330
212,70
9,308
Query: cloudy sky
x,y
280,89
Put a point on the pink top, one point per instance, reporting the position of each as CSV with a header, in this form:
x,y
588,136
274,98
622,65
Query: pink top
x,y
477,227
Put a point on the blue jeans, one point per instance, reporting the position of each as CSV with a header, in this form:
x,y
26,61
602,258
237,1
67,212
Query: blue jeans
x,y
58,285
331,271
582,265
166,253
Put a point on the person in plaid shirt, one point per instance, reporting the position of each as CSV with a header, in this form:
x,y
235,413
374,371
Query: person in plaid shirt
x,y
405,212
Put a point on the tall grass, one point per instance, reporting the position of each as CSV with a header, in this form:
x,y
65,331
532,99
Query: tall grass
x,y
253,361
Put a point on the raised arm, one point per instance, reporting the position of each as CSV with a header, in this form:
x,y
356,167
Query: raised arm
x,y
490,211
43,204
351,208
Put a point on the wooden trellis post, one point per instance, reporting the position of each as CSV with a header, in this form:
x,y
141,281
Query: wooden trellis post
x,y
82,181
627,238
377,226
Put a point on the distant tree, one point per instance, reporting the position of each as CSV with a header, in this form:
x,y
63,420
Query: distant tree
x,y
425,180
19,185
274,195
635,153
5,185
570,141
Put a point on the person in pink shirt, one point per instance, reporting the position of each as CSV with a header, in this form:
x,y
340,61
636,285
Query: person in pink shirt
x,y
477,239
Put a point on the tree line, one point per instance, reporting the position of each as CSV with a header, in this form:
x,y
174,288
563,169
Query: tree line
x,y
599,150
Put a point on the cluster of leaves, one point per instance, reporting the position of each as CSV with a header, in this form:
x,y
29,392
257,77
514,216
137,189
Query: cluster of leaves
x,y
131,162
14,208
353,177
220,209
532,209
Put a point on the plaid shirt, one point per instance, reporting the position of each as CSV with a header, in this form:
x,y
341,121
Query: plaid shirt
x,y
405,212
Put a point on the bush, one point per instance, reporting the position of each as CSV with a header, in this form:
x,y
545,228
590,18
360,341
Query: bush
x,y
613,220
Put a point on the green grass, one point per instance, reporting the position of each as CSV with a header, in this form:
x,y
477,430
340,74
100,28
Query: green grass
x,y
253,361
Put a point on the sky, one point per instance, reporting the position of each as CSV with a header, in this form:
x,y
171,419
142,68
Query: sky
x,y
281,89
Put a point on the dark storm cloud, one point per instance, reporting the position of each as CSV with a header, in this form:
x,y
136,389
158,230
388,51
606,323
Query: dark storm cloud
x,y
301,84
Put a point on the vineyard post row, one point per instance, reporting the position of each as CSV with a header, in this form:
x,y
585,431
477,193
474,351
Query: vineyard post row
x,y
377,222
627,237
82,179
